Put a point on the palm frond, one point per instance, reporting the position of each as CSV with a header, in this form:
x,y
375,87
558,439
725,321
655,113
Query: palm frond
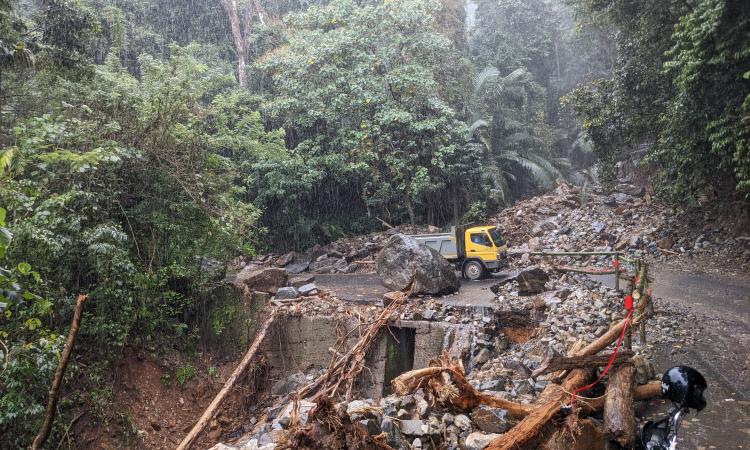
x,y
480,123
541,170
498,181
488,74
518,76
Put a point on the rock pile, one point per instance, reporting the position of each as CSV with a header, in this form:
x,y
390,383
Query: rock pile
x,y
575,219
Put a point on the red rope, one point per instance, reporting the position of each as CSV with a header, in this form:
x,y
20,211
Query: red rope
x,y
574,395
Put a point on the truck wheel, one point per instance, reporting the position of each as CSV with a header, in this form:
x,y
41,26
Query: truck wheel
x,y
473,270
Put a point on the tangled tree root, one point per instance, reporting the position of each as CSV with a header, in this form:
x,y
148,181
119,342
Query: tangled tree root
x,y
445,382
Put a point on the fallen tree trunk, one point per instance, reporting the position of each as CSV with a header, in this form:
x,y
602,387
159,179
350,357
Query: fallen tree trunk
x,y
236,375
619,422
57,381
556,363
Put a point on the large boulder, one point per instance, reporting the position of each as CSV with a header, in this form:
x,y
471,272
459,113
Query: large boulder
x,y
531,281
402,258
252,279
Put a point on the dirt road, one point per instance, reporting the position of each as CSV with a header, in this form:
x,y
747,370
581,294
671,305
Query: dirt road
x,y
715,309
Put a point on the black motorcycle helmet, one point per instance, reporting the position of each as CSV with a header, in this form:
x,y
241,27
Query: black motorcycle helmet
x,y
684,386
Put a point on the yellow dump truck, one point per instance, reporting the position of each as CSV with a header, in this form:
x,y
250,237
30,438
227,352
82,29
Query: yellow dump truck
x,y
475,251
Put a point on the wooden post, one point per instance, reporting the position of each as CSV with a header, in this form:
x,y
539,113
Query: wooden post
x,y
619,421
643,298
617,273
55,389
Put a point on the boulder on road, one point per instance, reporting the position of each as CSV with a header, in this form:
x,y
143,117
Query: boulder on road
x,y
531,281
402,258
252,279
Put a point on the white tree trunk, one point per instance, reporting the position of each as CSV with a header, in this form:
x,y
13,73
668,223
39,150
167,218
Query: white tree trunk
x,y
240,39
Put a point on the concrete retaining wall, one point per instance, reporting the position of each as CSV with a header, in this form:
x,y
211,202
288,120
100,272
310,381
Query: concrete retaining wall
x,y
302,344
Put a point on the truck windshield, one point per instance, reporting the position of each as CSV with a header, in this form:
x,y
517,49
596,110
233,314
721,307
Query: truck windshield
x,y
497,238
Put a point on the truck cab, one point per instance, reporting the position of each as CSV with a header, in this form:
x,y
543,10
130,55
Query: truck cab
x,y
485,251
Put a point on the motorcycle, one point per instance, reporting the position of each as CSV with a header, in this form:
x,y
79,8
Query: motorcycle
x,y
684,386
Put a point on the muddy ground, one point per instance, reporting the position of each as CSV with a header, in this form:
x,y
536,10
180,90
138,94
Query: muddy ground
x,y
716,309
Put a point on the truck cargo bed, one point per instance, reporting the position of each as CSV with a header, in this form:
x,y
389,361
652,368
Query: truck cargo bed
x,y
444,243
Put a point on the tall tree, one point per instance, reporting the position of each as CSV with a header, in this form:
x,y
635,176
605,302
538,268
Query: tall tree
x,y
241,16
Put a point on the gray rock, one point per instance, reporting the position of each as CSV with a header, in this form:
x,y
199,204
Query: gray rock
x,y
263,280
286,259
340,265
478,441
297,266
417,443
285,416
308,289
423,408
390,405
523,387
618,198
395,439
544,225
403,259
301,280
289,384
483,356
351,268
490,420
414,427
428,314
518,368
324,264
462,421
372,426
286,293
531,281
498,384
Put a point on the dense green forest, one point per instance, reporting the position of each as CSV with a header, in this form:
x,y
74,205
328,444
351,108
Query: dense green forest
x,y
143,142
